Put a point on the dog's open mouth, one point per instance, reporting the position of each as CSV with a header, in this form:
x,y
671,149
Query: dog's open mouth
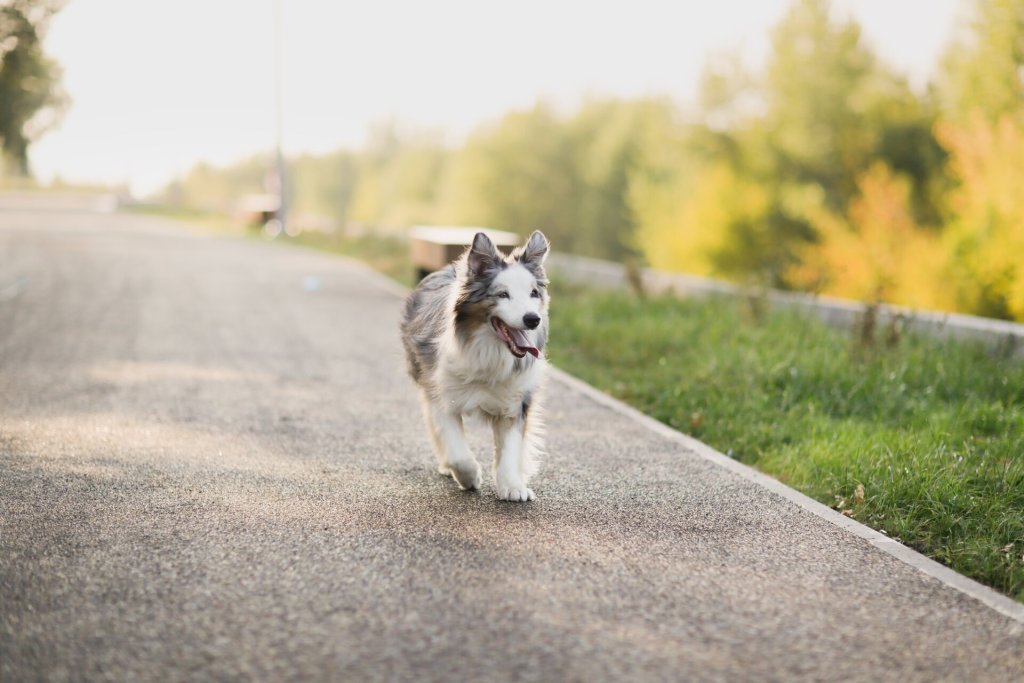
x,y
516,340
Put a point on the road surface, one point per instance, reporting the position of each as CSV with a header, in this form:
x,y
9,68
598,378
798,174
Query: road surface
x,y
212,467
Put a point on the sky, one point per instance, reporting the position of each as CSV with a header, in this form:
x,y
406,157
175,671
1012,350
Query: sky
x,y
158,86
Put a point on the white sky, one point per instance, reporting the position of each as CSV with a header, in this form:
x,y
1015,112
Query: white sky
x,y
158,86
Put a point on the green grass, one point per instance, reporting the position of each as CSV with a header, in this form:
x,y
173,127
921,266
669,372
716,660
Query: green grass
x,y
933,431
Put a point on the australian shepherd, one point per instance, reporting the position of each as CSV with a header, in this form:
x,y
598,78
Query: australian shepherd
x,y
474,336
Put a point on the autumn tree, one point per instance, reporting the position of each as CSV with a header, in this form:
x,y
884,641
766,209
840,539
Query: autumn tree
x,y
983,70
987,225
876,251
982,84
823,111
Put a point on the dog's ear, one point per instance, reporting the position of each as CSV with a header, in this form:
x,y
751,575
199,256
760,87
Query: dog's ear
x,y
482,255
536,249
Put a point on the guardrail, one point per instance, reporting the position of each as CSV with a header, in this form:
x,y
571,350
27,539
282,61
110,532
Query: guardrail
x,y
1003,336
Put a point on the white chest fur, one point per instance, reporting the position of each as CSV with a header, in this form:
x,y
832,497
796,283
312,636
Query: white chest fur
x,y
482,376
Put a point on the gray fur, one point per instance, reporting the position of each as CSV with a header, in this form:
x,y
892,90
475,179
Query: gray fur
x,y
423,317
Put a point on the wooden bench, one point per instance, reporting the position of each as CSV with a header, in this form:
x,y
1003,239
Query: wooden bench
x,y
433,247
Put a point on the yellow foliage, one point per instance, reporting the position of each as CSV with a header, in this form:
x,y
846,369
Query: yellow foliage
x,y
987,230
877,252
684,223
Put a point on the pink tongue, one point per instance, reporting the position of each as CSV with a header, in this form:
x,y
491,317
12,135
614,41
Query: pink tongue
x,y
519,339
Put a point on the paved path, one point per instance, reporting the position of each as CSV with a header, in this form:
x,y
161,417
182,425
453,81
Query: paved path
x,y
212,468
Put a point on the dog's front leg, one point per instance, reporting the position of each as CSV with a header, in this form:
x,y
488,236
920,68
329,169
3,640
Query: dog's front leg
x,y
458,459
509,476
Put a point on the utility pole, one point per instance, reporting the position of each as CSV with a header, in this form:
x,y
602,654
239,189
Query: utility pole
x,y
282,177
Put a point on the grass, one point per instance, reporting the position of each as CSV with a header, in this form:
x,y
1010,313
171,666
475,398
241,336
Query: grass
x,y
918,438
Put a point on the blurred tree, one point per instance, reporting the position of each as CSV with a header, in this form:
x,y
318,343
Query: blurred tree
x,y
661,189
728,94
982,89
817,85
833,108
677,212
211,188
323,185
519,175
823,112
983,71
30,96
606,140
398,178
987,229
566,176
877,251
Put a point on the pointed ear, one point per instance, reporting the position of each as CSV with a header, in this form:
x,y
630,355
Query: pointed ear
x,y
536,249
482,254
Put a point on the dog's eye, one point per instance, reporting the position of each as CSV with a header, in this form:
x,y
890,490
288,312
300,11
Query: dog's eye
x,y
535,294
502,295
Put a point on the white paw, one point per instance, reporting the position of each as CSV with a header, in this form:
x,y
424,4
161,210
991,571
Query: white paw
x,y
466,475
516,493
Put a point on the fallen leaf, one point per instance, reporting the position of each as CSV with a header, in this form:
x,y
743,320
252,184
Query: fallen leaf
x,y
1008,547
847,513
858,495
695,420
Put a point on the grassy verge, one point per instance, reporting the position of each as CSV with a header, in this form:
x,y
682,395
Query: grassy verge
x,y
921,439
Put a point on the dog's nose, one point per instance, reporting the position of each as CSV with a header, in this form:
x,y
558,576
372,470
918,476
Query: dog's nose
x,y
531,320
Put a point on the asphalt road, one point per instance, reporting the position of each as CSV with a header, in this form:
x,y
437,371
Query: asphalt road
x,y
212,467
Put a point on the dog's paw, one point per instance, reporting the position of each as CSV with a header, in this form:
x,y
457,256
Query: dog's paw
x,y
466,475
516,493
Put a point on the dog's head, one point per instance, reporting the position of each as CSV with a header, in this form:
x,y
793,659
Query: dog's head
x,y
509,292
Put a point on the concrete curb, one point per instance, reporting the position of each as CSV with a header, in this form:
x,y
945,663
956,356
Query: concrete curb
x,y
1000,335
983,594
987,596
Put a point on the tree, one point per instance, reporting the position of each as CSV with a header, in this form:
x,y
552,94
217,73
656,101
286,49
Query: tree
x,y
983,71
398,178
211,188
518,175
607,138
30,96
877,251
833,108
987,230
323,185
772,147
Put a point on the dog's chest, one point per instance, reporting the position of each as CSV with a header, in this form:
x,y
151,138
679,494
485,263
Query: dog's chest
x,y
503,398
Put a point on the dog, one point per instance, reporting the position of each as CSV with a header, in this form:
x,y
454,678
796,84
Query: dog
x,y
474,336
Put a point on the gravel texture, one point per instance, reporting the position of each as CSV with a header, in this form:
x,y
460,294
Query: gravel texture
x,y
212,467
